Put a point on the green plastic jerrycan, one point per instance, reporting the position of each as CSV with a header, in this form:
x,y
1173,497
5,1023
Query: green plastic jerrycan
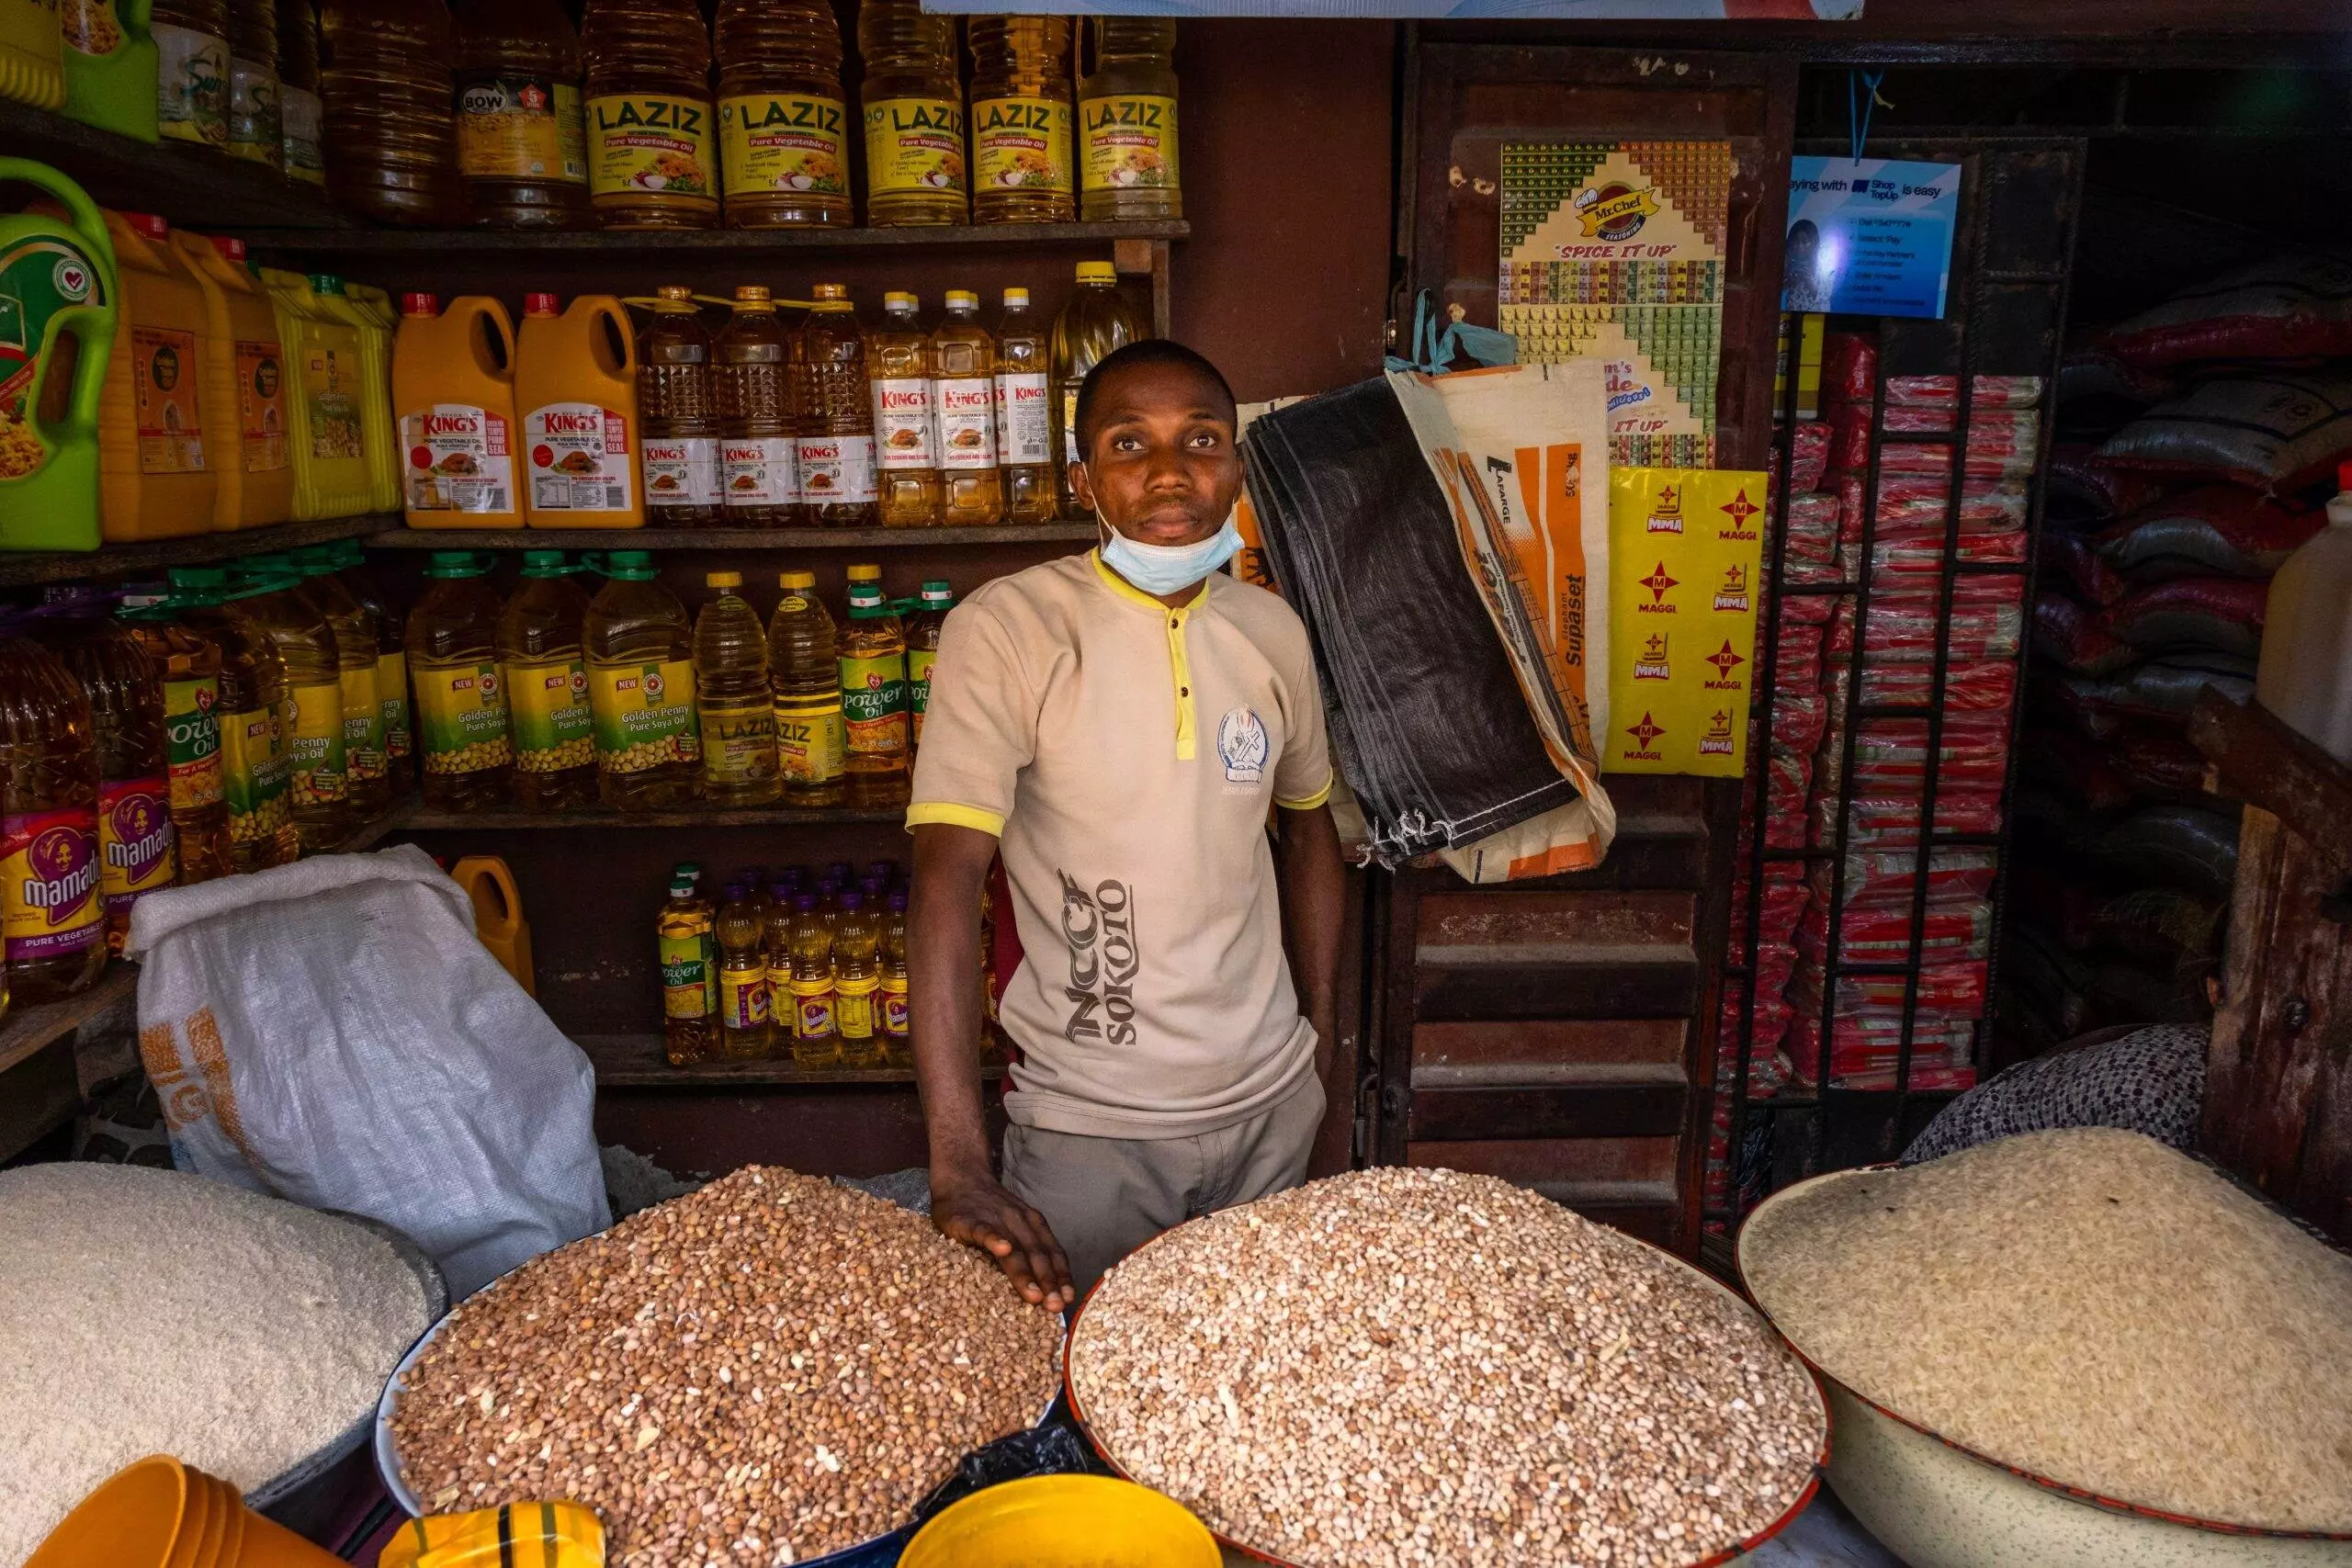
x,y
110,66
57,324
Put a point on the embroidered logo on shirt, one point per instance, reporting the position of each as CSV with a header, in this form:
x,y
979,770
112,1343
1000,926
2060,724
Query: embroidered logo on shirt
x,y
1100,932
1241,743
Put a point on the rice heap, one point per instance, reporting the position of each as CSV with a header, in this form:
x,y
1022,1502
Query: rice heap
x,y
2087,1305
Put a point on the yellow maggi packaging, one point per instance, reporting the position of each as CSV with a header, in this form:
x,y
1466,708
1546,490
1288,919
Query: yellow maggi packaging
x,y
560,1535
1685,550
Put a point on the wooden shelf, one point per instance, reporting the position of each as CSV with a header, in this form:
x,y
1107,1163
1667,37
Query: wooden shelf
x,y
634,1061
189,185
29,1030
193,549
736,540
310,242
427,819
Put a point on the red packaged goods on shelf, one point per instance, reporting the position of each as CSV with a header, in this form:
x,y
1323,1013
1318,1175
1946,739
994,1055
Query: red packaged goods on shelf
x,y
1998,448
1886,822
1914,503
2212,531
1813,525
1873,1043
1796,661
1785,899
1810,449
1886,878
1797,571
1850,364
2069,634
1891,755
1915,558
1948,990
1804,609
2074,562
2223,614
2289,307
1986,688
1904,631
1788,778
1928,1079
2275,432
1775,963
2083,489
2000,430
1798,719
1953,930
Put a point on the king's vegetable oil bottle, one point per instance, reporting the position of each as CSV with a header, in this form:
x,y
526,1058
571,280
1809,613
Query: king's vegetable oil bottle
x,y
640,649
677,399
245,375
522,136
365,746
906,434
189,667
835,411
688,953
1025,418
805,674
781,121
759,467
874,696
575,386
1021,114
252,716
52,918
319,782
963,360
110,69
392,142
913,105
737,709
57,272
453,391
652,149
158,436
462,724
1126,110
546,675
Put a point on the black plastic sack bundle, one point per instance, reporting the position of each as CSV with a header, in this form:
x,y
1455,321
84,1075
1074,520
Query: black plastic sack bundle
x,y
1432,733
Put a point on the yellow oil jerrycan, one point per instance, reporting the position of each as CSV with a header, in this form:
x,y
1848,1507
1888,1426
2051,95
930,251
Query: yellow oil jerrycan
x,y
32,53
453,392
244,372
160,437
498,916
327,364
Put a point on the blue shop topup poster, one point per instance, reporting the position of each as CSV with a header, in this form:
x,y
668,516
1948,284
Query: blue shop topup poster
x,y
1870,237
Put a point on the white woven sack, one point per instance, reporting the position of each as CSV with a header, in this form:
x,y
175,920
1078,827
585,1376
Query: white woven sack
x,y
333,1032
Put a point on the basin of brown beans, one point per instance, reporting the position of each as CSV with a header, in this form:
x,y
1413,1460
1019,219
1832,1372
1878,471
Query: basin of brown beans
x,y
764,1371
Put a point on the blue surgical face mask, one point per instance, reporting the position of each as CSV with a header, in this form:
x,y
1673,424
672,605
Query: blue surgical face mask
x,y
1168,569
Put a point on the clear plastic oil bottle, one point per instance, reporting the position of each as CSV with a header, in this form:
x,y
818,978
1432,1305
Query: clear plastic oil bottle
x,y
53,915
191,72
874,696
302,114
1020,120
922,650
805,678
834,406
688,953
963,358
256,132
522,132
461,723
677,404
1126,113
898,1036
367,754
906,438
737,709
392,142
816,1039
652,143
912,101
1095,322
783,121
1025,419
319,780
776,939
391,662
857,979
252,714
546,676
640,649
189,670
759,448
746,1025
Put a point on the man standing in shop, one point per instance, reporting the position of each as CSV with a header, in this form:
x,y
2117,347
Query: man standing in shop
x,y
1118,725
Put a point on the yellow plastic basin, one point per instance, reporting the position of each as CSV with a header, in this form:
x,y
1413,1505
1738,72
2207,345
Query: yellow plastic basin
x,y
1064,1521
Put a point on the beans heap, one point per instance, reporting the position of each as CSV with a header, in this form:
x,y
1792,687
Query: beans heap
x,y
1422,1367
763,1371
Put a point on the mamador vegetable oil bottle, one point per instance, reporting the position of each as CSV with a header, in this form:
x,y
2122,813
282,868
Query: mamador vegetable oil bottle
x,y
874,695
737,710
32,53
546,686
1021,114
575,384
640,649
759,467
191,70
58,321
453,389
652,154
111,71
326,413
522,132
1024,422
1096,320
302,113
963,360
677,399
906,434
913,108
158,434
782,121
244,375
835,411
461,725
392,143
319,759
367,760
256,132
251,719
52,916
1127,111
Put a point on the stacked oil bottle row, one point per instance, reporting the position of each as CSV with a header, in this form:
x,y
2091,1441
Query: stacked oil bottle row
x,y
768,423
551,699
155,383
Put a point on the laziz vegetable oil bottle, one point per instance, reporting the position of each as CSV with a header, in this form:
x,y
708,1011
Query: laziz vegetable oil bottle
x,y
738,713
913,105
783,125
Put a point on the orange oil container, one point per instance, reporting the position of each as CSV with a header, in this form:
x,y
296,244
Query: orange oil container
x,y
159,435
453,393
498,916
244,373
575,386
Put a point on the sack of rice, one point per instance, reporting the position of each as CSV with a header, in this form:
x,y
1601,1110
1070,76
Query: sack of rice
x,y
154,1311
2272,431
1419,1367
2086,1305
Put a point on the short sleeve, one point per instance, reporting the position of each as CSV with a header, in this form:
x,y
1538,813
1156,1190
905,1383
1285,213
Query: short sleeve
x,y
1303,777
979,729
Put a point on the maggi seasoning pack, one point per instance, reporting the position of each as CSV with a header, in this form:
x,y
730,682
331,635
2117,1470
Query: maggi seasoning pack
x,y
1685,557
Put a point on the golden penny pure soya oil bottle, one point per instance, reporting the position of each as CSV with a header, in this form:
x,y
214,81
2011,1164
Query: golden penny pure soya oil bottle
x,y
737,709
460,719
366,756
912,103
1126,110
906,435
1020,120
805,676
963,358
677,405
783,121
759,448
319,781
834,408
546,675
1024,420
251,714
392,143
652,133
391,659
522,132
640,649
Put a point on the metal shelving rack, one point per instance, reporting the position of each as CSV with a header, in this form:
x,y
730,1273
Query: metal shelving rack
x,y
2012,260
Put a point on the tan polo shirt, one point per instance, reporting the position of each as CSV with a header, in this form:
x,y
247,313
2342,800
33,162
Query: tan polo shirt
x,y
1124,754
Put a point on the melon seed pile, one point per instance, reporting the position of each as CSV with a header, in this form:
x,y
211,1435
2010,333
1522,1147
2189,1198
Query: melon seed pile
x,y
1419,1367
768,1369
